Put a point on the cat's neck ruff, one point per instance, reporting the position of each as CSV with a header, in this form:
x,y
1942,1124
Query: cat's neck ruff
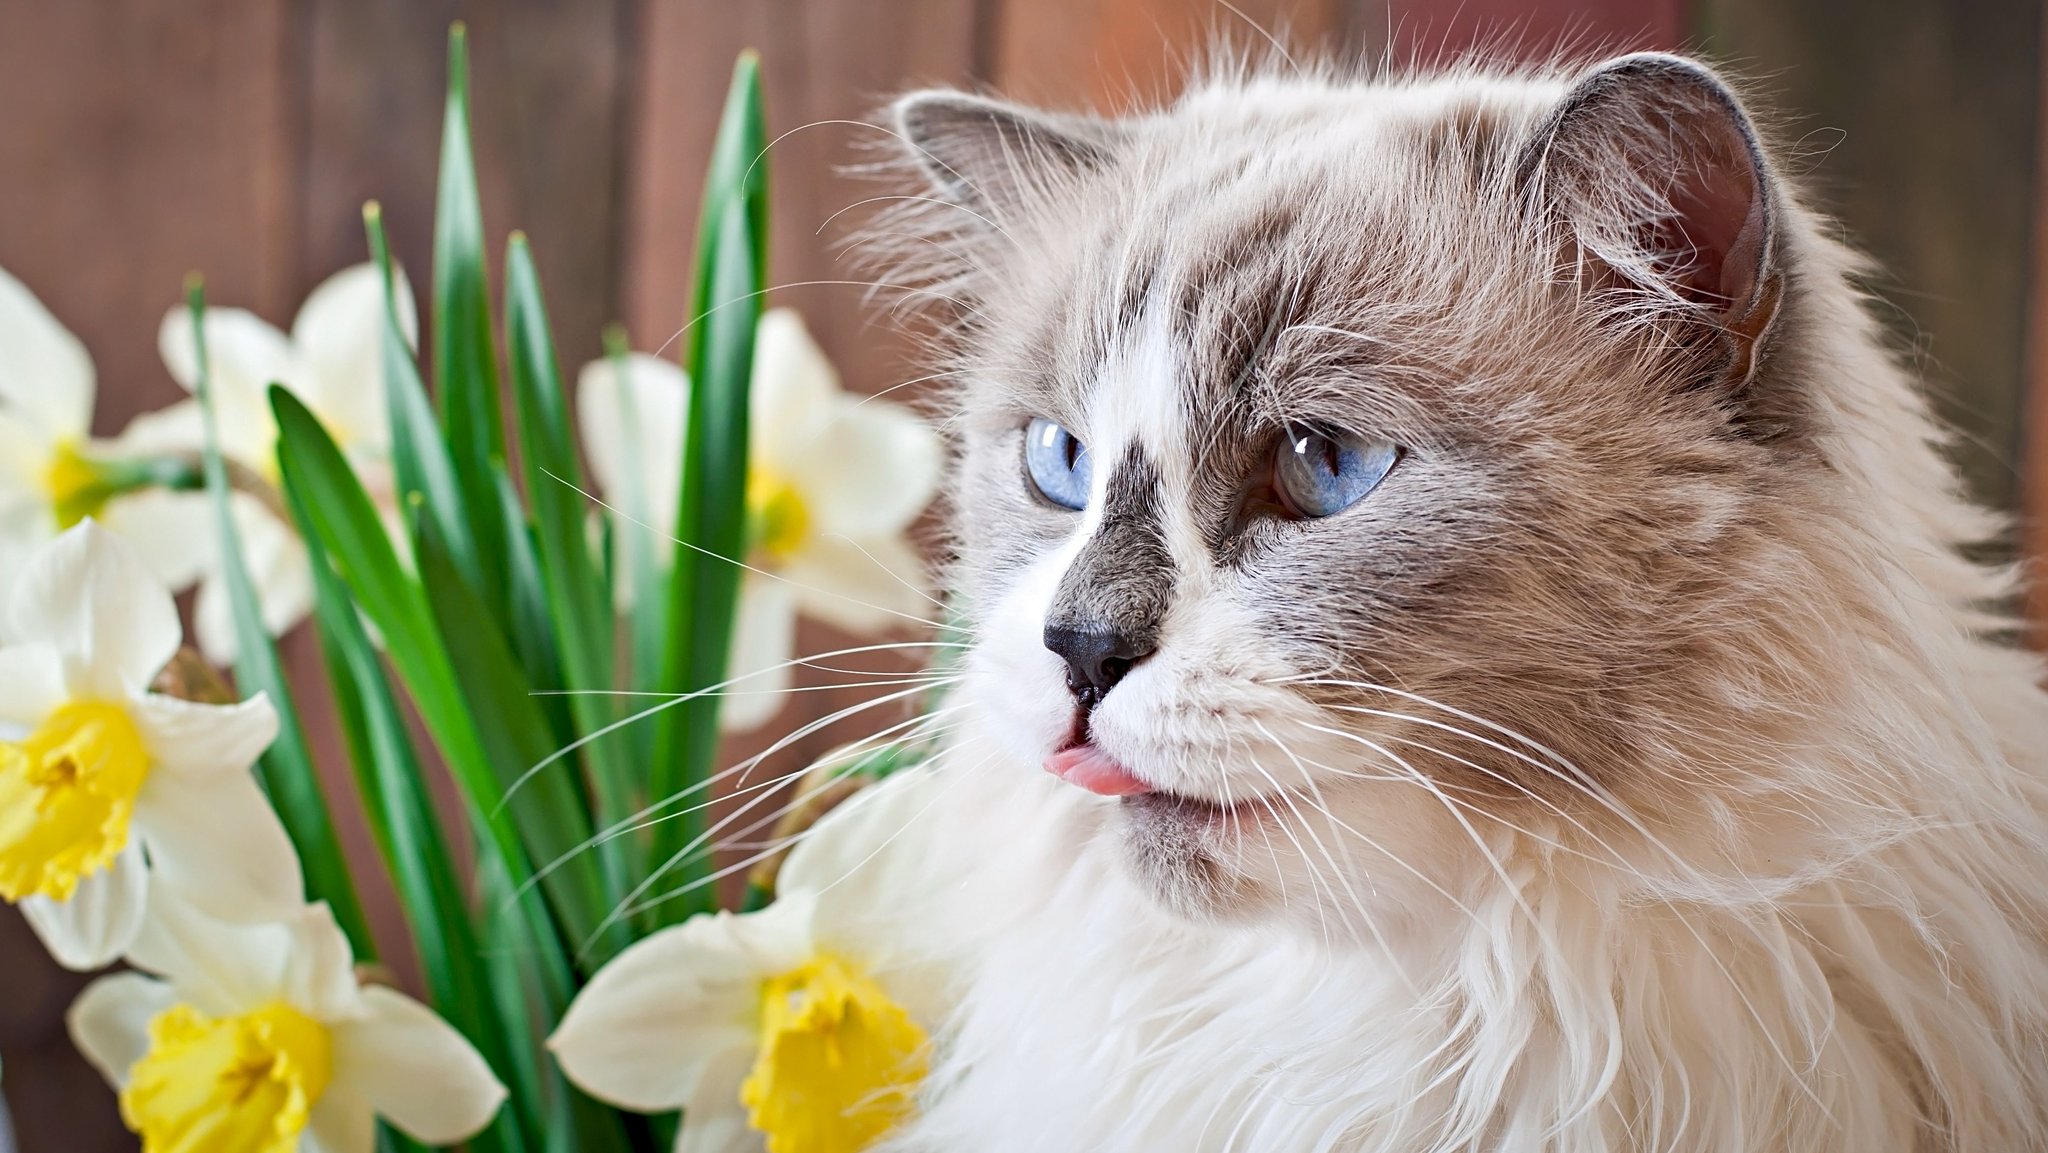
x,y
1546,1015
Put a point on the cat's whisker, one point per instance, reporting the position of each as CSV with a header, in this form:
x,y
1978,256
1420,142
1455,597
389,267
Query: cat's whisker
x,y
663,810
1674,907
1422,779
763,791
778,846
1322,807
1503,779
878,680
670,701
907,198
891,573
1358,904
907,289
913,382
850,755
765,574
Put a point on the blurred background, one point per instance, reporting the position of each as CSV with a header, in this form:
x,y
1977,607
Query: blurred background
x,y
145,139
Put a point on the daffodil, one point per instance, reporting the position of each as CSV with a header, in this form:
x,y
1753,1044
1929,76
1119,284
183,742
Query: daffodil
x,y
256,1038
53,473
106,788
835,480
331,361
802,1028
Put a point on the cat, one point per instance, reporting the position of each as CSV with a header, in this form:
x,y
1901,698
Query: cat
x,y
1494,612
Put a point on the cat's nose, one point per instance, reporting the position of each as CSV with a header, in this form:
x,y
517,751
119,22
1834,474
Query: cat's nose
x,y
1097,658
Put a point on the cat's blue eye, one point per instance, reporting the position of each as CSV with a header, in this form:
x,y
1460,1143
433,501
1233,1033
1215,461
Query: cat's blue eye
x,y
1057,463
1318,474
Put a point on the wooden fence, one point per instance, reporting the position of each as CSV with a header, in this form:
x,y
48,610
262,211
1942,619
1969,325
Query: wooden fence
x,y
142,139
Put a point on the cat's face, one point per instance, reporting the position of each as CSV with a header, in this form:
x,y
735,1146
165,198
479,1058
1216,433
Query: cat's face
x,y
1339,463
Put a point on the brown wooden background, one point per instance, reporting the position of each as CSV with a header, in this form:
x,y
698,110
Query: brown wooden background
x,y
141,139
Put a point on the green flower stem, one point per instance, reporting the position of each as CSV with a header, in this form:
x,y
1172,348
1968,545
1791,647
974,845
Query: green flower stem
x,y
286,769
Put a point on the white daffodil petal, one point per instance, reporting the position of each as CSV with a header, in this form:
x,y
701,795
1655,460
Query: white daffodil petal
x,y
415,1069
278,565
646,1028
174,428
763,640
24,461
794,397
109,1022
876,470
714,1121
91,596
31,684
339,336
247,431
100,921
341,1122
171,531
869,862
320,974
45,374
245,353
213,622
866,853
199,742
218,841
23,530
633,438
220,967
862,586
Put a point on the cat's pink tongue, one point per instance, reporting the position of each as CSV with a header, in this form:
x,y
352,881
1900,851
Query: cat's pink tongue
x,y
1092,769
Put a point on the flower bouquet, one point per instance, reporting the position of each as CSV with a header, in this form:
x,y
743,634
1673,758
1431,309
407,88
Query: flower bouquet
x,y
563,632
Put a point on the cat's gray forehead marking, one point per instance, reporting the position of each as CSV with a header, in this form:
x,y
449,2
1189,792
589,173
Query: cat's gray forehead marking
x,y
1122,580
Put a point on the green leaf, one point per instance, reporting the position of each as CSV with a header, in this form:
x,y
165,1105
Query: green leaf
x,y
526,994
425,473
549,808
634,550
711,518
287,770
532,629
339,514
579,596
739,171
391,779
465,367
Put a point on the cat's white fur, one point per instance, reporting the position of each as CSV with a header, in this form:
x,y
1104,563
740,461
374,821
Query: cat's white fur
x,y
1860,968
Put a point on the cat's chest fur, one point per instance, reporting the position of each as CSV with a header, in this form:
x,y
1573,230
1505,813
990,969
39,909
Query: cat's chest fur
x,y
1090,1020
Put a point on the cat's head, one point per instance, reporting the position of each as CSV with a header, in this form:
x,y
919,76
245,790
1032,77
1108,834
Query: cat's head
x,y
1356,476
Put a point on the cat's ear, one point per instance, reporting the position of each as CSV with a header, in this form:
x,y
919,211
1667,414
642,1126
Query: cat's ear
x,y
1655,169
995,159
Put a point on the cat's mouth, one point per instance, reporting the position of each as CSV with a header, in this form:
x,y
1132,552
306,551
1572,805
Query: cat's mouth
x,y
1080,762
1174,844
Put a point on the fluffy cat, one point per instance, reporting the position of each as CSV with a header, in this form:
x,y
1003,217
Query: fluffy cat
x,y
1501,604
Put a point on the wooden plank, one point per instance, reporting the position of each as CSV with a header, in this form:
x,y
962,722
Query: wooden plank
x,y
59,1102
1106,55
1917,123
1422,31
1114,54
828,68
549,96
2034,405
144,141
